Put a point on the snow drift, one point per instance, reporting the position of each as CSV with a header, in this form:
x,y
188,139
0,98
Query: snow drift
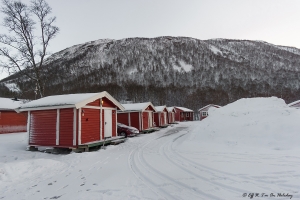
x,y
255,122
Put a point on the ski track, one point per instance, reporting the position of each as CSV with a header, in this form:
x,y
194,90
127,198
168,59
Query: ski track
x,y
229,176
139,153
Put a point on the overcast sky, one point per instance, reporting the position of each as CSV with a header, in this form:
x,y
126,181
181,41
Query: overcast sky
x,y
273,21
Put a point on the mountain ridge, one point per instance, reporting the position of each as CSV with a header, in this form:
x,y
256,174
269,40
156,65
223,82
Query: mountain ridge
x,y
169,70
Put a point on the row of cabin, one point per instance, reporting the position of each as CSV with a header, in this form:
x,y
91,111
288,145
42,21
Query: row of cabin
x,y
10,120
69,121
145,116
73,120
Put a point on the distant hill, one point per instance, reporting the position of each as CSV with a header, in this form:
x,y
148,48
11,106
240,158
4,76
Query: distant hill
x,y
169,70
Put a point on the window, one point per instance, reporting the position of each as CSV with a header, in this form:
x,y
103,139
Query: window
x,y
187,114
204,113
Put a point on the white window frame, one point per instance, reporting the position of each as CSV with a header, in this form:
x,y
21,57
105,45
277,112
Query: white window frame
x,y
204,113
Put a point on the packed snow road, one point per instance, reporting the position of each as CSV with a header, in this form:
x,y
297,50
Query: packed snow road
x,y
169,164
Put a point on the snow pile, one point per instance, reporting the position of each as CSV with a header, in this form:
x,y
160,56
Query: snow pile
x,y
254,122
23,170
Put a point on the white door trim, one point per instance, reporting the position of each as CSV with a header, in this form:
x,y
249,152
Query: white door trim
x,y
79,126
74,126
57,126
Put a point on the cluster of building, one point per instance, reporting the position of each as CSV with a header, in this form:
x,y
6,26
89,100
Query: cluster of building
x,y
78,120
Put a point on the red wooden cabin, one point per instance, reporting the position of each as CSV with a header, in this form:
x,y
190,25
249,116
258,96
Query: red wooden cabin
x,y
161,116
203,112
171,115
68,121
295,104
138,115
10,120
183,114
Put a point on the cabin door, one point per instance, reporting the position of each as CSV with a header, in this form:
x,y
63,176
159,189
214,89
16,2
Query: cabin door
x,y
107,123
165,118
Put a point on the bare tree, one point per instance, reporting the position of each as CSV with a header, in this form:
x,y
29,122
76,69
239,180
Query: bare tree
x,y
25,47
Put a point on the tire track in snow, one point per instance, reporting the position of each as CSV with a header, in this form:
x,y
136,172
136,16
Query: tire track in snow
x,y
166,148
142,177
212,171
195,191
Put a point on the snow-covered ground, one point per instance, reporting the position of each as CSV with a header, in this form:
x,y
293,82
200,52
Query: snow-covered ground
x,y
249,146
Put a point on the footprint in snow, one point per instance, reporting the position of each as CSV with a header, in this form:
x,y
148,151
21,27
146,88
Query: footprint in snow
x,y
82,184
56,197
49,183
95,184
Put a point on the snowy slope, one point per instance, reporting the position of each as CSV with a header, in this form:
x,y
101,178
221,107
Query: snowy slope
x,y
178,70
249,146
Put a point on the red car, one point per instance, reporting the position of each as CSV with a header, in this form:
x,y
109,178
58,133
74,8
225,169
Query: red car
x,y
127,131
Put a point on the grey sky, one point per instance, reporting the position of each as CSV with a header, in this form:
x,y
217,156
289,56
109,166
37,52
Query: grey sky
x,y
273,21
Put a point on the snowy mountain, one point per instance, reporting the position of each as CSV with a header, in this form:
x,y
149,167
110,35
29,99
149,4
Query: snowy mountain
x,y
170,71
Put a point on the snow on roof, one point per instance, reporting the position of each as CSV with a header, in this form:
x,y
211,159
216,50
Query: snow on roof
x,y
9,104
160,108
137,106
68,100
208,106
293,103
184,109
170,109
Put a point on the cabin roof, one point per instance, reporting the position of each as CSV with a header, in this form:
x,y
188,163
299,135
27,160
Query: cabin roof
x,y
184,109
67,100
171,109
209,106
9,104
160,108
137,106
293,103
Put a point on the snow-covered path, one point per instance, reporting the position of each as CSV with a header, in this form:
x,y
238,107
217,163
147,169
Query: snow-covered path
x,y
169,164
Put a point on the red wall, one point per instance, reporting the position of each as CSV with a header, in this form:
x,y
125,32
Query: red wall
x,y
94,103
43,128
11,122
156,119
90,126
66,127
145,120
43,125
123,118
179,117
135,120
162,119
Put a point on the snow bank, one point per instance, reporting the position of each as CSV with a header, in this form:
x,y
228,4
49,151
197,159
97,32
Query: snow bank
x,y
27,169
254,122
